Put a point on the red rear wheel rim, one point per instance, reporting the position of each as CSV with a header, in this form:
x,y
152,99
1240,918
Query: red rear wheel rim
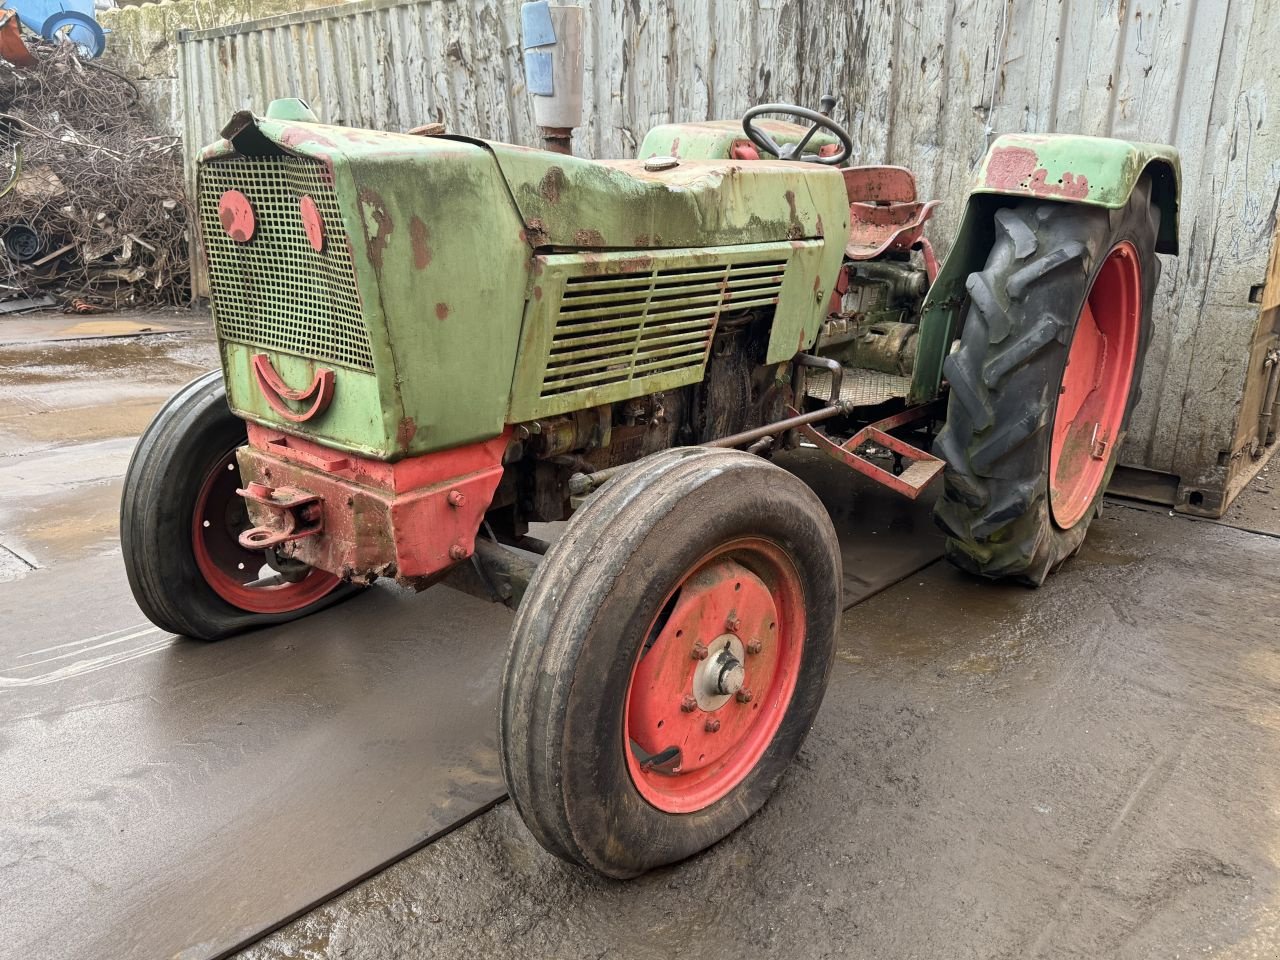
x,y
715,677
1095,386
226,566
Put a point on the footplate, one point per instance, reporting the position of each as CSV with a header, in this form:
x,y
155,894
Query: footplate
x,y
921,468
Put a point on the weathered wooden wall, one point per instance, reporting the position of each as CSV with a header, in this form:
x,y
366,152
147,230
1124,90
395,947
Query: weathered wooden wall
x,y
923,83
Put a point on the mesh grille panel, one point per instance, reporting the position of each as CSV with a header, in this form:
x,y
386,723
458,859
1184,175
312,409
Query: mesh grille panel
x,y
616,329
276,291
862,388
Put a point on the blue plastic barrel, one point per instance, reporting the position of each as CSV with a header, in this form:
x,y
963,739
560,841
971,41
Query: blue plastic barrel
x,y
73,19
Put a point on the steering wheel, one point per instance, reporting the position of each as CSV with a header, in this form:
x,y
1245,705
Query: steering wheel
x,y
792,151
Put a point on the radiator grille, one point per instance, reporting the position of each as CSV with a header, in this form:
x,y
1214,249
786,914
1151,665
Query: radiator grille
x,y
277,291
625,327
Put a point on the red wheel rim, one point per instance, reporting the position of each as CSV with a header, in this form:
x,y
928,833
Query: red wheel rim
x,y
715,676
226,566
1095,386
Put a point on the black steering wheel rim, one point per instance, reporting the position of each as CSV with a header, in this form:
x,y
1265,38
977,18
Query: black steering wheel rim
x,y
761,139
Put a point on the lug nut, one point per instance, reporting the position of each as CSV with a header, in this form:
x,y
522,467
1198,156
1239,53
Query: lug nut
x,y
744,695
458,552
699,651
755,646
712,726
457,498
733,624
688,704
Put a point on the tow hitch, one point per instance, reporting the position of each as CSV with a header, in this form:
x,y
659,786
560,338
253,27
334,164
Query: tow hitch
x,y
294,514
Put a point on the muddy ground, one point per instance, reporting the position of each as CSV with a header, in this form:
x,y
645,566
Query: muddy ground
x,y
1088,770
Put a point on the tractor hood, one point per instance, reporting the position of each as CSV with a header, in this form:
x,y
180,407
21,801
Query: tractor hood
x,y
571,202
406,287
392,295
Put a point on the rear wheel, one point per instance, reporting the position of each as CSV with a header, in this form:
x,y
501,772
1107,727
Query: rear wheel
x,y
669,658
180,521
1044,382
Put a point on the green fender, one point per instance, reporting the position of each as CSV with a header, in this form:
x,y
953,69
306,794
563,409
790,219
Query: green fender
x,y
1094,170
1065,168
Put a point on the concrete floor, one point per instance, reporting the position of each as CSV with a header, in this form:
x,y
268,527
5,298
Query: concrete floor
x,y
1088,770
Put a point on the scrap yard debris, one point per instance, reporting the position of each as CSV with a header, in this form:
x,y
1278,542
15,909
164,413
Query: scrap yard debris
x,y
92,207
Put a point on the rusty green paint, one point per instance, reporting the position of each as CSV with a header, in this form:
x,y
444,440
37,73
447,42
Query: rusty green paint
x,y
940,313
605,327
713,139
436,383
1099,171
291,108
617,204
446,237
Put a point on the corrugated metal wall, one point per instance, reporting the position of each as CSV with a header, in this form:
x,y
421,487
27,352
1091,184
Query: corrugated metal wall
x,y
923,83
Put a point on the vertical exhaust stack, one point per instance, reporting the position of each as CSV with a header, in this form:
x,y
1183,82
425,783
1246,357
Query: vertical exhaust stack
x,y
553,69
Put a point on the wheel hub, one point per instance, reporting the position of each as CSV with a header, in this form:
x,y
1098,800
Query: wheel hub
x,y
720,676
713,682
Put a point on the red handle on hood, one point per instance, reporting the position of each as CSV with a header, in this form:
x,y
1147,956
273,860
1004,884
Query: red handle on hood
x,y
277,391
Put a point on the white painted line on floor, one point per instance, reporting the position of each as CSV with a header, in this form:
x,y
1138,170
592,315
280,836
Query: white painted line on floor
x,y
93,665
97,646
77,643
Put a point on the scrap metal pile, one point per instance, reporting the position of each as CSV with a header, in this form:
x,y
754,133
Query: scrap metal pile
x,y
93,214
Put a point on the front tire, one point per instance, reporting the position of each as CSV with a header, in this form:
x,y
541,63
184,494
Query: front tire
x,y
668,659
1044,382
179,522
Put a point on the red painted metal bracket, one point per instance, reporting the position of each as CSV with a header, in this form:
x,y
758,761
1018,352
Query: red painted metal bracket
x,y
410,519
294,514
924,467
277,391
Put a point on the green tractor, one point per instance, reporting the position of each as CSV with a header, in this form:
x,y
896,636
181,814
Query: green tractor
x,y
430,342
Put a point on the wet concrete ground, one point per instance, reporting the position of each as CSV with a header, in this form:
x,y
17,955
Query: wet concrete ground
x,y
74,395
1089,770
160,796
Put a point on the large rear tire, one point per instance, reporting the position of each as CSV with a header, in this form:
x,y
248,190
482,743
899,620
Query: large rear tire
x,y
669,658
1044,382
180,519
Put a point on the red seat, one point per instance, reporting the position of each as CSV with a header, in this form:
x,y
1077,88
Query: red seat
x,y
884,213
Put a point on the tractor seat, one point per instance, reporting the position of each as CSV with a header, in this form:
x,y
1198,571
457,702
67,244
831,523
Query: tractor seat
x,y
884,213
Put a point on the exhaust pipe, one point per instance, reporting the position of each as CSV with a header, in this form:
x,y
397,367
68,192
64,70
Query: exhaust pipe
x,y
553,69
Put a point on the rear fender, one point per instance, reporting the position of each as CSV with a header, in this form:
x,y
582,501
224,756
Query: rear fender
x,y
1096,171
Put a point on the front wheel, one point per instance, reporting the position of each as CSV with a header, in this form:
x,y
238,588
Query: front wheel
x,y
1044,381
669,658
180,521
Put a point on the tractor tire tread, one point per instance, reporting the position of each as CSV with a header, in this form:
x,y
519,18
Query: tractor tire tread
x,y
994,507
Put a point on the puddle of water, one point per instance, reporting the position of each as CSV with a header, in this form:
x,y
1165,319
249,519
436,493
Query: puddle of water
x,y
113,328
69,413
972,627
23,432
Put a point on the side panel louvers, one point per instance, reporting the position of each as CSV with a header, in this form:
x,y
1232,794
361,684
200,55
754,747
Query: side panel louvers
x,y
603,331
635,324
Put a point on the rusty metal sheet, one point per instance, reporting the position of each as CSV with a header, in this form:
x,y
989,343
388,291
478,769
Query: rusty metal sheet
x,y
164,797
188,797
12,46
